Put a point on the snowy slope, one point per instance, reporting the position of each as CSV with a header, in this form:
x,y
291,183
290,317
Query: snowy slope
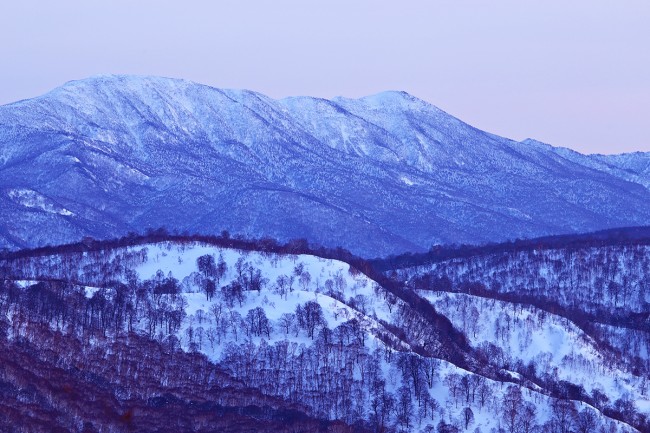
x,y
574,312
383,174
547,342
181,263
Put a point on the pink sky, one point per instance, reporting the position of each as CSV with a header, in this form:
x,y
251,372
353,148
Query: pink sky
x,y
573,74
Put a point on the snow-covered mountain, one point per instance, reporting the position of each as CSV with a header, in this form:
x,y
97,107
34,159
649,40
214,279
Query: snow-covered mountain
x,y
383,174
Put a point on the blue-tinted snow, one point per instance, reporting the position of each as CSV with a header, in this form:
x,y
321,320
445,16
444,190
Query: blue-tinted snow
x,y
383,174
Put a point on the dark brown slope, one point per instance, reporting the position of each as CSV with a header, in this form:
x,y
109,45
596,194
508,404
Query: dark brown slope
x,y
50,382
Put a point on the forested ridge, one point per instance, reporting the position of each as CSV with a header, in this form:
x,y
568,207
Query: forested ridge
x,y
633,236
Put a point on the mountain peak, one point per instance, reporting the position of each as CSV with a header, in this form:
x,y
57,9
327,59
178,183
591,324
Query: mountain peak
x,y
391,95
388,99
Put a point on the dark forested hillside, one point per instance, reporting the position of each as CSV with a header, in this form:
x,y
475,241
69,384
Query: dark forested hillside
x,y
53,381
162,333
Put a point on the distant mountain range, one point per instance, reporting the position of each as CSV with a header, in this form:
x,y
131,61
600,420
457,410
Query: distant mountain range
x,y
379,175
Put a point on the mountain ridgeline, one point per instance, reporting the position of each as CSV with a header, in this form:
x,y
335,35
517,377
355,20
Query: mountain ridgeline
x,y
379,175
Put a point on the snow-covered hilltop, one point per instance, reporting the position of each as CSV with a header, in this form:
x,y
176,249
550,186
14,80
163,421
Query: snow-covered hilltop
x,y
383,174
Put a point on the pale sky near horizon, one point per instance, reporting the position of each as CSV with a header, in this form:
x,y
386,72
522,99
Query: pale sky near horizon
x,y
569,73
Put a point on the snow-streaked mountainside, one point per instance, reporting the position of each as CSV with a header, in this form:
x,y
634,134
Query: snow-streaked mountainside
x,y
634,167
383,174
